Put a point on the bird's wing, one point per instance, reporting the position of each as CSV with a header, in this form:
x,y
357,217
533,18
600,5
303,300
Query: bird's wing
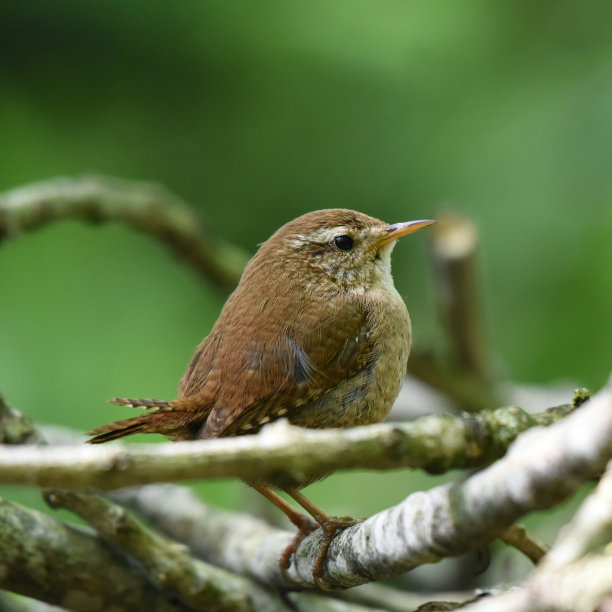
x,y
260,373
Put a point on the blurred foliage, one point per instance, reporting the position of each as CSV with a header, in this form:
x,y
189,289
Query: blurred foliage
x,y
258,112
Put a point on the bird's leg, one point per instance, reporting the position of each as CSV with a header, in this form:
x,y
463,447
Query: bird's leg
x,y
301,521
330,525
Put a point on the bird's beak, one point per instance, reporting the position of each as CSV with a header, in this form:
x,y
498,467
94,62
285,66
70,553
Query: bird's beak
x,y
397,230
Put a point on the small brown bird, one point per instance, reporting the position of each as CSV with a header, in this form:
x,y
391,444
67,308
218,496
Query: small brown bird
x,y
315,333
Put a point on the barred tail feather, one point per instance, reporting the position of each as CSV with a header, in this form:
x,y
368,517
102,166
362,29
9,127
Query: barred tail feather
x,y
150,422
118,429
139,403
180,419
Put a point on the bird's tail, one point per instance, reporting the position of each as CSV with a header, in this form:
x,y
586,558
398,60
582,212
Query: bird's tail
x,y
159,419
139,403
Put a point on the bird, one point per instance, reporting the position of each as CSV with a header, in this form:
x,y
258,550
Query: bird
x,y
315,332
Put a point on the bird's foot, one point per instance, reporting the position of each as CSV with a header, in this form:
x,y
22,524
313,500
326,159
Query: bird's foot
x,y
305,527
330,527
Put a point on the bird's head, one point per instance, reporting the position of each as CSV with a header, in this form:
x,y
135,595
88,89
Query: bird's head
x,y
335,249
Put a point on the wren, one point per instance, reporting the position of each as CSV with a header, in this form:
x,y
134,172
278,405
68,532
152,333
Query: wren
x,y
315,332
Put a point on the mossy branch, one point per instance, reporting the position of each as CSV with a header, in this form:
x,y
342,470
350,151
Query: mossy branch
x,y
69,567
280,453
169,565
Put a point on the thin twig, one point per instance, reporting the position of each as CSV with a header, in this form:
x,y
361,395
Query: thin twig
x,y
518,537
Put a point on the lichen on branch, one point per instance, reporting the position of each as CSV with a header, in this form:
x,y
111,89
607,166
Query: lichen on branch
x,y
281,453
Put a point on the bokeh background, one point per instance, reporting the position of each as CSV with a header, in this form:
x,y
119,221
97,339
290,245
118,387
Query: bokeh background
x,y
256,112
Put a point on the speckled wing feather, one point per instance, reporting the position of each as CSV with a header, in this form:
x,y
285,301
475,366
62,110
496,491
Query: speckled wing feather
x,y
251,374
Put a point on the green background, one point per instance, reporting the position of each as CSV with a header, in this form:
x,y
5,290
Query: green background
x,y
256,112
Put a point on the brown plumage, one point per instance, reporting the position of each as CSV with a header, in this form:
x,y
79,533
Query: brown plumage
x,y
315,332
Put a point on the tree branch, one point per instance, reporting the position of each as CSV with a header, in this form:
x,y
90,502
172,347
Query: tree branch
x,y
67,566
575,574
171,567
281,452
590,528
16,428
445,521
541,469
581,586
544,467
531,547
46,559
454,241
144,207
464,373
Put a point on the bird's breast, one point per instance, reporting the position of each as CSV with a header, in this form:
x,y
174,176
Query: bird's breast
x,y
366,397
391,334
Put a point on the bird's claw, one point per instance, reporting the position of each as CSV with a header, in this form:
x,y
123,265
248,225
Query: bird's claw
x,y
305,528
329,528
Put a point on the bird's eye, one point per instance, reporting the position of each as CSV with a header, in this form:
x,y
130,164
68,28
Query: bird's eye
x,y
344,243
